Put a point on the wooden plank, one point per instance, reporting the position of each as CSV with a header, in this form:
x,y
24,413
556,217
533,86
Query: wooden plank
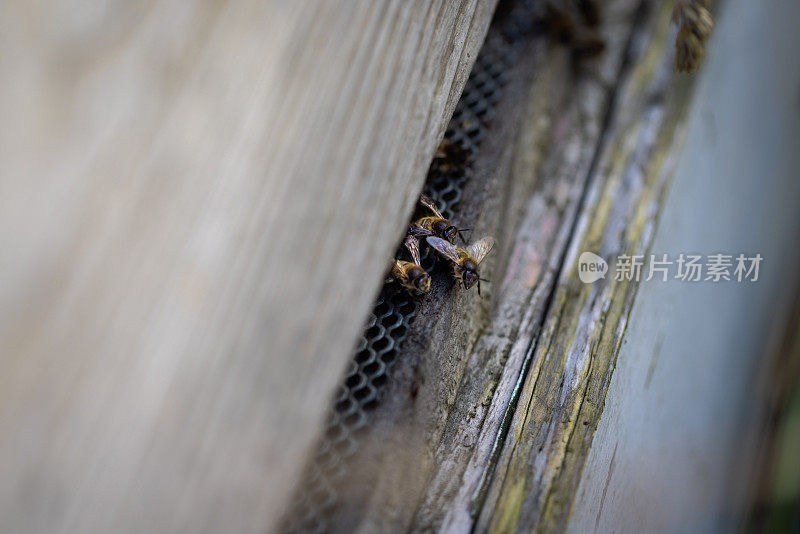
x,y
689,401
198,202
537,475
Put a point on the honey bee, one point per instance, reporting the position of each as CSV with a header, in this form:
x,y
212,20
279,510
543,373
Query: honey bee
x,y
590,11
408,273
464,261
435,225
563,27
451,155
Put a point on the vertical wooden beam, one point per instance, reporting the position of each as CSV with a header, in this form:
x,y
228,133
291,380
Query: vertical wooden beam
x,y
198,202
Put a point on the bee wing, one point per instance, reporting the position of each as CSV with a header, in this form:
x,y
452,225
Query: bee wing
x,y
428,202
418,231
445,248
480,249
413,247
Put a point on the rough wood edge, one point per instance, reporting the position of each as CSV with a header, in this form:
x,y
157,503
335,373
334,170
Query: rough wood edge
x,y
562,400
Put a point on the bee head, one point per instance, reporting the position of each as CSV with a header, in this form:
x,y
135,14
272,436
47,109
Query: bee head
x,y
469,277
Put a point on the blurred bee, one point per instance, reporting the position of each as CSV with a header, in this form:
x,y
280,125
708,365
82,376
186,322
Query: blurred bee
x,y
576,33
435,225
408,273
590,11
464,261
451,156
695,26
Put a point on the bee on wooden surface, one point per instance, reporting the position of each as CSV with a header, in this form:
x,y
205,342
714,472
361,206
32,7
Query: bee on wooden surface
x,y
558,23
464,261
695,26
590,11
452,155
587,46
435,225
408,273
576,33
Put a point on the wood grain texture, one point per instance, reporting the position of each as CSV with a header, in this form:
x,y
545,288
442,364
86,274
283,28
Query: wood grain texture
x,y
494,440
686,407
197,205
537,474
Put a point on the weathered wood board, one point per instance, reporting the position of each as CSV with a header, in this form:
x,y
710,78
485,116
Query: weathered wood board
x,y
197,202
702,362
537,474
